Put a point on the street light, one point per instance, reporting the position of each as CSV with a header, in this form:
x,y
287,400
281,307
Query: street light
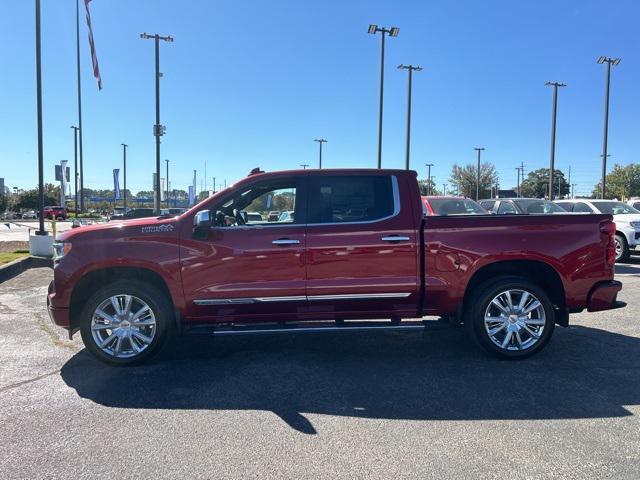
x,y
167,192
478,149
124,171
75,165
410,69
554,109
304,165
392,32
609,61
320,141
428,165
158,129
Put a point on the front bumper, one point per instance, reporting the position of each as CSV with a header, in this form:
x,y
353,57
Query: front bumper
x,y
603,296
59,316
632,235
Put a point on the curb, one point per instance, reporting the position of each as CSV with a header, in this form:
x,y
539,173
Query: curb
x,y
18,266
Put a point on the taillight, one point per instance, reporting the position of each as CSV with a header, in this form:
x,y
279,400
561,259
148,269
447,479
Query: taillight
x,y
609,228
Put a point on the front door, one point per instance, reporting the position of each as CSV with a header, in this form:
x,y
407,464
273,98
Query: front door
x,y
251,265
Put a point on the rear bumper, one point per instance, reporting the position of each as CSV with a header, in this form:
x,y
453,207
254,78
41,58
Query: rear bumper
x,y
603,296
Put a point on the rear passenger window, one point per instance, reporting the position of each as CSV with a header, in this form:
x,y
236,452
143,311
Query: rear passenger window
x,y
506,207
343,199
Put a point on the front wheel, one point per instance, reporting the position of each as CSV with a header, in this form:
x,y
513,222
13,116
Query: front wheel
x,y
126,322
622,248
510,317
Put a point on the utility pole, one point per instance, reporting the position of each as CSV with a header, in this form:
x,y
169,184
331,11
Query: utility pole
x,y
605,140
79,88
75,166
320,141
124,162
393,32
158,129
41,230
478,149
429,165
410,69
555,86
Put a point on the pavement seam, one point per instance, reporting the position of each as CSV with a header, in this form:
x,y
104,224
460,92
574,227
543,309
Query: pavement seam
x,y
25,382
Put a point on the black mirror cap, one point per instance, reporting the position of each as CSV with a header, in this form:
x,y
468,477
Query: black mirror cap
x,y
202,220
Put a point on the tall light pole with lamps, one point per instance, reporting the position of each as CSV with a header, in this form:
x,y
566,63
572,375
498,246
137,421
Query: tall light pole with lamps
x,y
320,141
605,140
410,69
479,150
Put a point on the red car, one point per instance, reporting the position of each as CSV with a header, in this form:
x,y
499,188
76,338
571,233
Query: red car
x,y
449,205
59,213
358,248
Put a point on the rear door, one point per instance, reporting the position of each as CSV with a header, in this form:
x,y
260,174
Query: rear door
x,y
361,245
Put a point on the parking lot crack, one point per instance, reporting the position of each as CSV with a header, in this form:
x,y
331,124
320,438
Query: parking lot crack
x,y
26,382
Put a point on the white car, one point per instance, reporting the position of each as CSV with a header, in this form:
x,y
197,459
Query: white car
x,y
635,203
626,217
30,215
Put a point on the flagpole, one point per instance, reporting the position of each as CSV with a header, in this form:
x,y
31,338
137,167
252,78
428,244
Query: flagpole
x,y
79,104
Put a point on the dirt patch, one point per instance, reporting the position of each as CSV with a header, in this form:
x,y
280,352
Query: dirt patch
x,y
13,246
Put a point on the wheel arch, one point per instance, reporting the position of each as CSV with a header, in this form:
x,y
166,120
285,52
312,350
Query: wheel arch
x,y
95,279
539,272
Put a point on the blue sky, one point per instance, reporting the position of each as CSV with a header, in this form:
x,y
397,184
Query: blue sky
x,y
252,83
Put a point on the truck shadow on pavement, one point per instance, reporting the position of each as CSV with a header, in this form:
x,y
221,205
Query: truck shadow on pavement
x,y
583,373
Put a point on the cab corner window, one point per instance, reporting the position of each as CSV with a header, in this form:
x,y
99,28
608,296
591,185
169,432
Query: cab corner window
x,y
350,198
265,203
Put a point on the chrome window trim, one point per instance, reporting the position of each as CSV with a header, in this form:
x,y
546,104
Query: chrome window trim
x,y
295,298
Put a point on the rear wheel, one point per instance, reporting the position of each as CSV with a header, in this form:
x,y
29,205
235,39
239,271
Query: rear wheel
x,y
622,248
510,317
126,322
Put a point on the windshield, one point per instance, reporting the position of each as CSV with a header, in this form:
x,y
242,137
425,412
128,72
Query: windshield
x,y
538,206
455,206
614,208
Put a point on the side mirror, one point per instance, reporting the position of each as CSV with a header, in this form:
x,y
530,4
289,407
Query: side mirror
x,y
202,220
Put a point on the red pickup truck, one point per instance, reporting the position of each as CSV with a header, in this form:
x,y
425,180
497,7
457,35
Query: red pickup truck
x,y
358,253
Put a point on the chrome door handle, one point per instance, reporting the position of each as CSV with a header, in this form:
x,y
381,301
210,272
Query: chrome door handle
x,y
395,238
285,241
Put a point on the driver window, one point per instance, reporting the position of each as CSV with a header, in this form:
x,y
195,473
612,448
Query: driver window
x,y
267,203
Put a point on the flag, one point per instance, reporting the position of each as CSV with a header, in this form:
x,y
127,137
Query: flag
x,y
63,169
163,189
192,195
116,184
92,46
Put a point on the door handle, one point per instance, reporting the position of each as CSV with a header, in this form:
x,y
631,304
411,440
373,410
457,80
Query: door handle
x,y
395,238
285,241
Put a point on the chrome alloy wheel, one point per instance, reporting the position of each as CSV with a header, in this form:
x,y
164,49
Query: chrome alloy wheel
x,y
619,248
515,320
123,326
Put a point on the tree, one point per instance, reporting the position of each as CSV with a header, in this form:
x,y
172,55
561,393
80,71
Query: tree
x,y
466,178
424,187
536,185
28,200
622,182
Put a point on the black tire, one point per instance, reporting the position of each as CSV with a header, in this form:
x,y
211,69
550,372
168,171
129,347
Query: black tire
x,y
478,303
158,303
622,253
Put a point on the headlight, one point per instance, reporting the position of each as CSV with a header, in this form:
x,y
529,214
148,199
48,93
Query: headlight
x,y
635,225
60,249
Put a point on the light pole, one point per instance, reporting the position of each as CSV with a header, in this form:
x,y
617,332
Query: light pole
x,y
304,165
428,165
79,89
554,109
320,142
573,190
609,61
444,189
393,32
518,169
75,166
41,230
479,150
410,69
124,171
167,193
158,129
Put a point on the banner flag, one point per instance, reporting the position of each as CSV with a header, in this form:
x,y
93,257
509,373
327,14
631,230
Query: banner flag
x,y
63,174
92,46
116,184
163,189
192,195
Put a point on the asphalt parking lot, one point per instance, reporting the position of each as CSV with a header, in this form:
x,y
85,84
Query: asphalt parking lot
x,y
381,405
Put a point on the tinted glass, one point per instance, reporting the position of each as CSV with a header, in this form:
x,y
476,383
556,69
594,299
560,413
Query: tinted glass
x,y
339,199
614,208
582,207
487,204
538,206
455,206
636,205
506,207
